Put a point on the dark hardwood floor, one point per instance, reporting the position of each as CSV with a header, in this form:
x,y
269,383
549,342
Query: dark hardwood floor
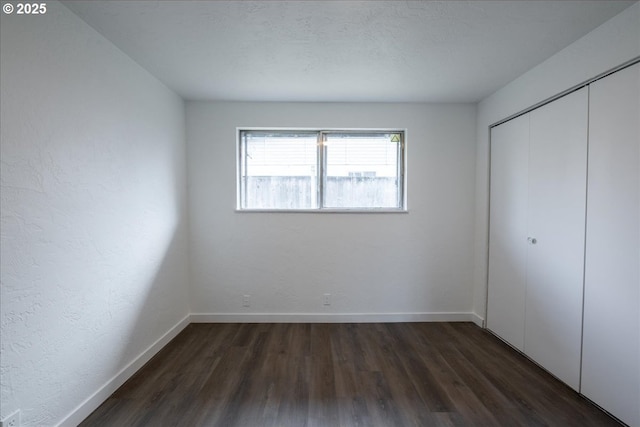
x,y
396,374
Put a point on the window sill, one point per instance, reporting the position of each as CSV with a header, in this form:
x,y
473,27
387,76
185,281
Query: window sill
x,y
323,211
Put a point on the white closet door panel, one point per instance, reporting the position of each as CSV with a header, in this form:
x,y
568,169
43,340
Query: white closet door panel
x,y
611,354
507,230
557,198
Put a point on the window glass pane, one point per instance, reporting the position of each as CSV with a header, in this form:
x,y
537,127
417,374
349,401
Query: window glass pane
x,y
362,170
278,170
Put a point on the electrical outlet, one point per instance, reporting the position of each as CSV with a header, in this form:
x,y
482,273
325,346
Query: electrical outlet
x,y
246,301
327,299
12,420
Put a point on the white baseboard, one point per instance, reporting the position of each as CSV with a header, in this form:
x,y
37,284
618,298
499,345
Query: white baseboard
x,y
83,410
477,319
333,317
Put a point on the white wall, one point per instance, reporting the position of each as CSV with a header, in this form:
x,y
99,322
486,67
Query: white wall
x,y
384,266
93,215
613,43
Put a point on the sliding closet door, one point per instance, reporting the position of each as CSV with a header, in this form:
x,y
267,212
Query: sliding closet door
x,y
611,353
508,230
556,234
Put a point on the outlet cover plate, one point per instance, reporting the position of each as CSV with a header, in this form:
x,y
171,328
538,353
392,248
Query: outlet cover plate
x,y
326,299
12,420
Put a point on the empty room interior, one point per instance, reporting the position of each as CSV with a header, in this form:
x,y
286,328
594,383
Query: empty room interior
x,y
320,213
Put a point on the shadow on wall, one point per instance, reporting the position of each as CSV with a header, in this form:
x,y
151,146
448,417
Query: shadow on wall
x,y
141,310
160,303
57,355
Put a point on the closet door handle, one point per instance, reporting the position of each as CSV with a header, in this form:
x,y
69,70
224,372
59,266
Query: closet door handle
x,y
532,240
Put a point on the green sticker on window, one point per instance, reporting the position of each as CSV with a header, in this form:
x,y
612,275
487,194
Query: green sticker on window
x,y
395,137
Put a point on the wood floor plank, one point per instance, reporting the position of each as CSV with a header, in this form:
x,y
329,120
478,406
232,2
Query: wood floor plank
x,y
397,374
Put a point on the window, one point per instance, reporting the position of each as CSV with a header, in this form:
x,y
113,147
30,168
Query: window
x,y
321,170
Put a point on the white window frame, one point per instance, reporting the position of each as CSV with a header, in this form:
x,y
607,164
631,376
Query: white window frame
x,y
321,169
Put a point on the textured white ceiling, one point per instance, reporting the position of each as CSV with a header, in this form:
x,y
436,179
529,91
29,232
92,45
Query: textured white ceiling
x,y
414,51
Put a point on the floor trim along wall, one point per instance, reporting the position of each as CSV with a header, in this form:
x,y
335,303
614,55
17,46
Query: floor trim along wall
x,y
334,317
90,404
